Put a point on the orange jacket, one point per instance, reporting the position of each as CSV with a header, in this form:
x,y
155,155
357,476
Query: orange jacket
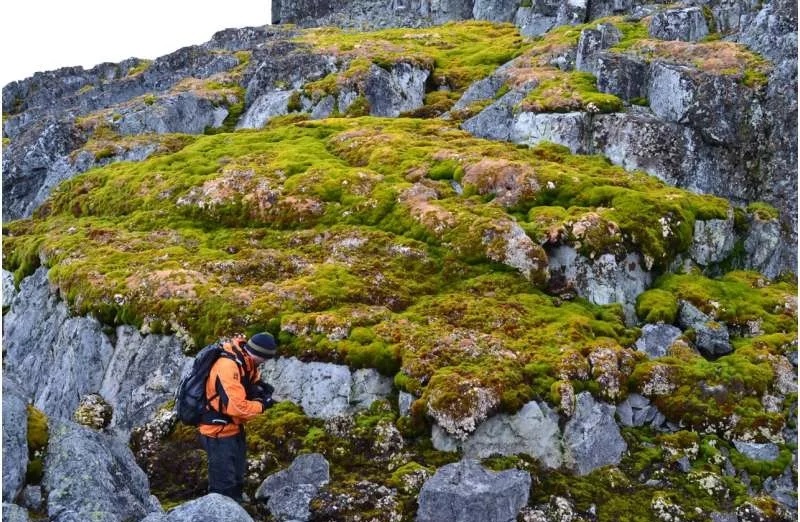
x,y
228,396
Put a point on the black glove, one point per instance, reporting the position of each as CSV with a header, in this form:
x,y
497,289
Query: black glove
x,y
265,388
267,402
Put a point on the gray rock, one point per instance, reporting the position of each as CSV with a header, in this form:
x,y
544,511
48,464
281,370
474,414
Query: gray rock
x,y
572,12
591,437
209,508
292,502
568,129
713,240
404,401
783,488
32,498
621,75
282,65
391,92
495,121
495,11
264,108
241,39
92,476
723,111
29,159
290,491
602,281
484,89
532,21
716,516
14,513
762,246
442,441
711,338
593,41
637,140
756,451
687,24
9,290
143,374
323,390
657,338
15,440
135,376
466,492
71,353
533,430
368,387
324,108
183,112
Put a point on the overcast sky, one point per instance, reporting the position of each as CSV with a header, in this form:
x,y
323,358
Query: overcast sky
x,y
40,35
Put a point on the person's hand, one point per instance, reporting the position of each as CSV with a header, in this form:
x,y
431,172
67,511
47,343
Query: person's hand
x,y
267,402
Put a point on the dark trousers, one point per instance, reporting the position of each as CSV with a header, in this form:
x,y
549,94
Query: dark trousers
x,y
227,460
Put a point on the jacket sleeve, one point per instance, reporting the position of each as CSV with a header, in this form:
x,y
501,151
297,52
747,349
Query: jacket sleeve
x,y
233,398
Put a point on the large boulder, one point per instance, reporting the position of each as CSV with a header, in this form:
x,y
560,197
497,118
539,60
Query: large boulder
x,y
721,109
495,10
621,75
687,24
324,390
15,440
289,492
209,508
92,476
569,129
591,437
467,492
533,430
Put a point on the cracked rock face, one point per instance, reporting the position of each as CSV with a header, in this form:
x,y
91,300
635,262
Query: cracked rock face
x,y
679,24
324,390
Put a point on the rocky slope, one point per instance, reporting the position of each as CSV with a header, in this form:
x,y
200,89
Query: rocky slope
x,y
556,269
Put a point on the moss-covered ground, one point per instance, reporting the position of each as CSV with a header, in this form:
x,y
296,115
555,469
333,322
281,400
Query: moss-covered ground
x,y
385,243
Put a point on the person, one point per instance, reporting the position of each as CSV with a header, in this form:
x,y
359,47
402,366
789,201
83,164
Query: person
x,y
235,395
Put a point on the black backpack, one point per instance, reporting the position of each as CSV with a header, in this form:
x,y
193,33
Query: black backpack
x,y
190,399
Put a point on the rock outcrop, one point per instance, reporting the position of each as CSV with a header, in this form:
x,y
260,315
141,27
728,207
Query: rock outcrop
x,y
58,359
324,390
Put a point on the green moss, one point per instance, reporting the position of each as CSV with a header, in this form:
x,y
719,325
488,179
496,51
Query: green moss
x,y
140,67
456,53
38,436
567,92
656,305
149,99
763,211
